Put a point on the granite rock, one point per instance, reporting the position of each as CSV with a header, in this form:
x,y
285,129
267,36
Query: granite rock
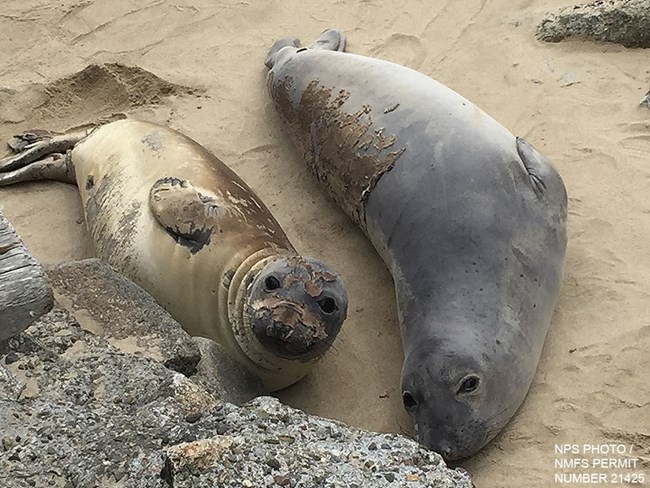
x,y
625,22
82,412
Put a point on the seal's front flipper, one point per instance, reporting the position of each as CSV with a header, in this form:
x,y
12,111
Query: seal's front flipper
x,y
188,215
330,40
544,179
269,62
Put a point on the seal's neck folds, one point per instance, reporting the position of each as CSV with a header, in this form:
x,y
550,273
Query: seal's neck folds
x,y
274,371
238,293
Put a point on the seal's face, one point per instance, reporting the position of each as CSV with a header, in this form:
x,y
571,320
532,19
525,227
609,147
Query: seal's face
x,y
297,306
456,402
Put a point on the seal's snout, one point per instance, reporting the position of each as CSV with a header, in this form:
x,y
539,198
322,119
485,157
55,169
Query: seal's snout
x,y
296,307
283,327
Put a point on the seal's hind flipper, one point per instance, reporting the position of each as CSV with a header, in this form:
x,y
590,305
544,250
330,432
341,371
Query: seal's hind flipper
x,y
38,148
330,40
55,166
269,62
187,215
26,140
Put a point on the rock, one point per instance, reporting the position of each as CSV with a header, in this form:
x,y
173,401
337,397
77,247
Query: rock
x,y
111,306
91,414
223,376
10,386
621,21
25,294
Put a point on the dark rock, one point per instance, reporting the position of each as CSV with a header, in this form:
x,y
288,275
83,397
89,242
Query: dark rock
x,y
624,22
223,376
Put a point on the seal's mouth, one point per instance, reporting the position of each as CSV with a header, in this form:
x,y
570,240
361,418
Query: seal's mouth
x,y
288,330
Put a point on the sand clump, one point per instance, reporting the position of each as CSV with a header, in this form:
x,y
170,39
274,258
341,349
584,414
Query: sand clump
x,y
93,94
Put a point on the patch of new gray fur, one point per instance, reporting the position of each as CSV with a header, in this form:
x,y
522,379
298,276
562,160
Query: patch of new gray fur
x,y
92,415
620,21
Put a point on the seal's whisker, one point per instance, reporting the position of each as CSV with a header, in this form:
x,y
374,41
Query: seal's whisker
x,y
405,432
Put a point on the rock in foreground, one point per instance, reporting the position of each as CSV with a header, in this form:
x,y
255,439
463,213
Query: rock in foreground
x,y
625,22
110,391
113,307
78,409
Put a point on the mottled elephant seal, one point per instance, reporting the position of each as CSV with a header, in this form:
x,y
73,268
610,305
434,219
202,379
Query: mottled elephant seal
x,y
168,214
470,220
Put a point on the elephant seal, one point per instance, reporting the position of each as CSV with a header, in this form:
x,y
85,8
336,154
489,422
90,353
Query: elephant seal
x,y
470,220
173,218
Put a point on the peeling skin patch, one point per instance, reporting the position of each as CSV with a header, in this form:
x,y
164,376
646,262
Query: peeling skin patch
x,y
153,141
289,329
390,109
342,148
240,208
313,282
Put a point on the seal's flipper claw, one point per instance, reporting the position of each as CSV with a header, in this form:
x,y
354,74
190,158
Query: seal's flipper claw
x,y
269,62
330,40
187,214
53,167
37,149
26,140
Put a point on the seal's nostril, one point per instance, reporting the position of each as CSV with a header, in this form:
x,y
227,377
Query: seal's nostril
x,y
445,451
280,330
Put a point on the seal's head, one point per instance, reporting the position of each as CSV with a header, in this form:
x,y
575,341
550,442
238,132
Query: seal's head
x,y
459,399
296,307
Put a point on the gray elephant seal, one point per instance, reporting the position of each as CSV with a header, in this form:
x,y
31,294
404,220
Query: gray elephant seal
x,y
169,215
469,219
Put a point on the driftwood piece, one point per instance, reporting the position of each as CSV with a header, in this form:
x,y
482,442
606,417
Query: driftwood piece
x,y
25,293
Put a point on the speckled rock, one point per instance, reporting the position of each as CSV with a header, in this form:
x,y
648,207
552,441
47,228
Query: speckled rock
x,y
84,413
270,444
111,306
10,385
625,22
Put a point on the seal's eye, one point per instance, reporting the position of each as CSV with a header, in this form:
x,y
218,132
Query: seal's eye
x,y
409,401
327,305
469,384
271,283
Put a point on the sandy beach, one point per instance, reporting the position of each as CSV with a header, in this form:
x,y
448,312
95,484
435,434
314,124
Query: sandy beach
x,y
576,101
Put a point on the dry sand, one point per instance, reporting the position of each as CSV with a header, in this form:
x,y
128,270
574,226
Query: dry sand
x,y
575,101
